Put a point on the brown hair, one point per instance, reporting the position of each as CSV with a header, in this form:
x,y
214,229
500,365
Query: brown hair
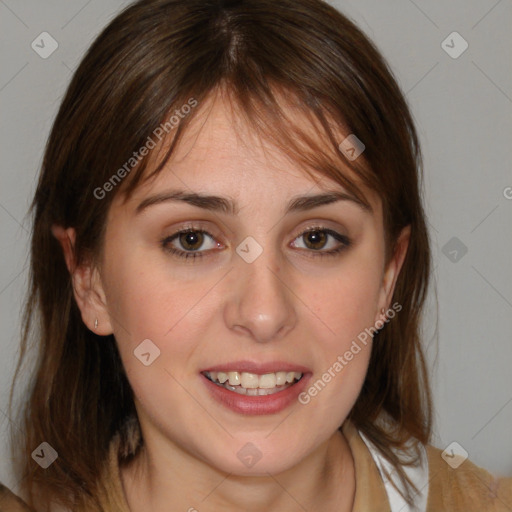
x,y
149,61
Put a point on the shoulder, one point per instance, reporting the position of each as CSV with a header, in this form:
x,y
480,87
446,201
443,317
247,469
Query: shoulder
x,y
458,484
11,503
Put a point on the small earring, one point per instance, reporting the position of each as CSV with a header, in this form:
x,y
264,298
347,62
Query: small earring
x,y
96,323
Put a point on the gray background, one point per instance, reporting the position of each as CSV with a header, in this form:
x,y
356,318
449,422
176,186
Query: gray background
x,y
463,111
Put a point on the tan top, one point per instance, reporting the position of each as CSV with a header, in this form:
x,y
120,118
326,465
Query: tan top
x,y
11,503
465,489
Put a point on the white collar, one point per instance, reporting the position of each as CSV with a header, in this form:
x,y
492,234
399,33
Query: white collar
x,y
417,474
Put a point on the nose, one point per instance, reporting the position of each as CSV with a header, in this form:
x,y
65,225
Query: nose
x,y
260,302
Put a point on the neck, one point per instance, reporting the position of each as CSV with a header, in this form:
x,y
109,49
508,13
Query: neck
x,y
324,480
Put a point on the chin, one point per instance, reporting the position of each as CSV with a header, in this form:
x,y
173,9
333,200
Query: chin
x,y
256,458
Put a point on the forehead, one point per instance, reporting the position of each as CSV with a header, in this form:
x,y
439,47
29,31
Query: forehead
x,y
219,143
222,152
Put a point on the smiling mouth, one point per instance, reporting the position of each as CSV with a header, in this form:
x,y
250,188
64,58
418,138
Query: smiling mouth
x,y
251,384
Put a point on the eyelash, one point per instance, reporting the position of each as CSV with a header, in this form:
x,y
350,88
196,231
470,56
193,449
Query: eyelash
x,y
344,240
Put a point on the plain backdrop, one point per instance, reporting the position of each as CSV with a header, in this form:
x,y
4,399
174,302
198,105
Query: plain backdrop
x,y
462,103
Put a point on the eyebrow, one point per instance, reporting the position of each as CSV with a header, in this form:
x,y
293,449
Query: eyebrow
x,y
228,206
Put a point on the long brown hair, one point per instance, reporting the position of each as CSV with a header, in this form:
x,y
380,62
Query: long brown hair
x,y
149,61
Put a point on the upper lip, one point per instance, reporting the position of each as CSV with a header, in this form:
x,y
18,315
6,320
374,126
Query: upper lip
x,y
257,368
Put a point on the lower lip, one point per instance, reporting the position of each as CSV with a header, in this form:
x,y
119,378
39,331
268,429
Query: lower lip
x,y
256,405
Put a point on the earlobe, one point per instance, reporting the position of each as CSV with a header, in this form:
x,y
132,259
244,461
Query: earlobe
x,y
91,299
87,286
392,271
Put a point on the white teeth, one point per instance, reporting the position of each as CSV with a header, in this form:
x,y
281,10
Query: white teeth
x,y
234,378
280,378
252,384
268,381
249,380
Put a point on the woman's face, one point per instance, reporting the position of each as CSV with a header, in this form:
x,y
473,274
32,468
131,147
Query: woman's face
x,y
248,292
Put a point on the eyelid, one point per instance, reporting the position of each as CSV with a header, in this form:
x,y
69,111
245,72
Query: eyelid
x,y
199,226
318,226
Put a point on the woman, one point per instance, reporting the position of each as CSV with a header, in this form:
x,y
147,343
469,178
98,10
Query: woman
x,y
229,265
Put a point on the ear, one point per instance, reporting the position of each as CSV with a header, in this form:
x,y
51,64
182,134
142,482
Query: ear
x,y
87,285
391,273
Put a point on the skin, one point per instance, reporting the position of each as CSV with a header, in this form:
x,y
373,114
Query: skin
x,y
289,304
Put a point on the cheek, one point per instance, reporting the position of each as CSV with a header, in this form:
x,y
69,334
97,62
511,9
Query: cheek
x,y
145,312
347,302
147,301
347,306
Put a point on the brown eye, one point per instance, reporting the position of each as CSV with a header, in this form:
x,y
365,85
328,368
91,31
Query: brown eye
x,y
315,239
322,242
191,240
190,243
